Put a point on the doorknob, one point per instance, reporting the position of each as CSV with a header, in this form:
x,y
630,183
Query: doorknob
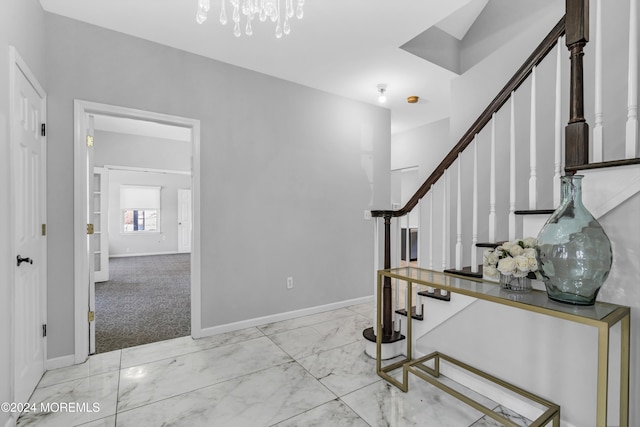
x,y
21,260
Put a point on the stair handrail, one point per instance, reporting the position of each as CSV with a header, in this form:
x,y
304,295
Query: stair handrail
x,y
543,49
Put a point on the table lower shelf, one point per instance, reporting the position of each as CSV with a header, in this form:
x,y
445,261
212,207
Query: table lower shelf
x,y
430,374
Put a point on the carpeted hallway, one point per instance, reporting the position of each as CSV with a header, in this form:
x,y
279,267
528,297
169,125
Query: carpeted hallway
x,y
147,299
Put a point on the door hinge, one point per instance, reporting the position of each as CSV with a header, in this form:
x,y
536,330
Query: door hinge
x,y
91,316
44,330
89,228
43,129
89,141
44,229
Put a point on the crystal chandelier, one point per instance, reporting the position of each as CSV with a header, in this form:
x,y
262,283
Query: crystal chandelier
x,y
250,8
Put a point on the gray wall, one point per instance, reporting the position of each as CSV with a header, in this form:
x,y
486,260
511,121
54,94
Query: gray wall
x,y
145,243
285,177
21,25
502,21
424,147
114,148
474,90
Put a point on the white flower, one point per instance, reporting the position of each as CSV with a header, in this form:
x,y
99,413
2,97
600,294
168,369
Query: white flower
x,y
533,264
530,242
516,250
507,266
522,263
491,272
506,246
529,253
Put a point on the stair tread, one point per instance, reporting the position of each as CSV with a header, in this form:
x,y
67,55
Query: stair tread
x,y
488,244
535,212
436,294
403,312
466,271
370,336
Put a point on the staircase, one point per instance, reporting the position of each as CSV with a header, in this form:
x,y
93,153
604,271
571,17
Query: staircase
x,y
495,185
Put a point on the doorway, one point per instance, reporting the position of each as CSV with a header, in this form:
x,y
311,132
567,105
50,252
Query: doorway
x,y
85,256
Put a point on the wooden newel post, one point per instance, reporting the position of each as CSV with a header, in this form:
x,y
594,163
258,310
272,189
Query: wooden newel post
x,y
577,131
387,321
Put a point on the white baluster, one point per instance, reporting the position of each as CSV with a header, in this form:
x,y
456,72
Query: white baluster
x,y
459,216
376,267
512,169
558,126
474,214
445,213
598,147
429,288
533,146
407,241
431,228
398,256
417,298
632,104
396,318
419,234
492,183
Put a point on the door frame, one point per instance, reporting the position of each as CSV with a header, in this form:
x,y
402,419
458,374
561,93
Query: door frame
x,y
16,62
81,271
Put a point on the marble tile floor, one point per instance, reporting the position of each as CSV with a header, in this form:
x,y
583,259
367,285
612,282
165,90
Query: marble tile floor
x,y
309,371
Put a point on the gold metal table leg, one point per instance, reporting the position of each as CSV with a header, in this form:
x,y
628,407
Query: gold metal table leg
x,y
624,369
603,375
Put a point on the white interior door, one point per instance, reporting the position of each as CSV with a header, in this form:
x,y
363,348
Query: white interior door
x,y
29,219
100,221
184,220
91,243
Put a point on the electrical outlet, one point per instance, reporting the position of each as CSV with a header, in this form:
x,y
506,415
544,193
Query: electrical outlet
x,y
367,215
289,282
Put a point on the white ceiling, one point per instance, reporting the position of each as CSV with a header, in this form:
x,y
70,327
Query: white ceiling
x,y
345,47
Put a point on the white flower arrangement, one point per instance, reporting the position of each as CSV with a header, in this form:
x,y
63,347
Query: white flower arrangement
x,y
516,258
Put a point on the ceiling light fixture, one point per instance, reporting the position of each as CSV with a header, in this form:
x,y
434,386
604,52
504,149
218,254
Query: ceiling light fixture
x,y
412,99
382,90
263,9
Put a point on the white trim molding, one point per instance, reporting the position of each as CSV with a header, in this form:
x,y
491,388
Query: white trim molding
x,y
605,189
59,362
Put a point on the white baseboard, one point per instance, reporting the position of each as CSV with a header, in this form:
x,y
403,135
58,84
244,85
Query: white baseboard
x,y
144,254
259,321
59,362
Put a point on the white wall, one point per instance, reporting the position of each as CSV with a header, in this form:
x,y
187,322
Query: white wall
x,y
21,25
166,240
285,177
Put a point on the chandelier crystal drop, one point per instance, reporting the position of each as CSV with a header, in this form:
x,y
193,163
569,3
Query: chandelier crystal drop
x,y
250,9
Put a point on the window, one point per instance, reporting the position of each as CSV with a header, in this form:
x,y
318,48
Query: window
x,y
140,207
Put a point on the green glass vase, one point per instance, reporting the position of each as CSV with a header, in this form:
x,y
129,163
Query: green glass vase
x,y
574,252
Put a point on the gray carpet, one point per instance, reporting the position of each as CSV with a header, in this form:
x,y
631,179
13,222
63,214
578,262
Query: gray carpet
x,y
147,299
